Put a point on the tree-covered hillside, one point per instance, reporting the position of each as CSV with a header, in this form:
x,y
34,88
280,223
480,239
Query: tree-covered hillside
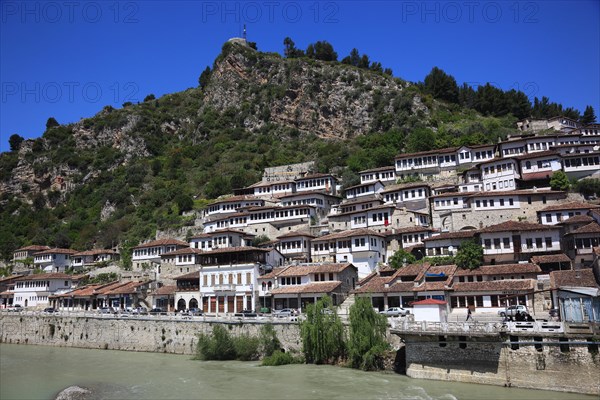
x,y
114,178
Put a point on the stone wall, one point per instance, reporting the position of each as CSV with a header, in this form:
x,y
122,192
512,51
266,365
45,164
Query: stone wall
x,y
489,360
165,335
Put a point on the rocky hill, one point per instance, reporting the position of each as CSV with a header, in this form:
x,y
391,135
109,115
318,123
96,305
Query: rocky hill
x,y
118,176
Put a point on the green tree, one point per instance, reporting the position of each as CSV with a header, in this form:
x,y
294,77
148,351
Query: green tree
x,y
366,342
204,77
588,117
149,97
469,255
290,50
260,239
184,202
560,181
322,334
353,58
589,187
441,85
400,258
15,141
51,123
321,50
269,343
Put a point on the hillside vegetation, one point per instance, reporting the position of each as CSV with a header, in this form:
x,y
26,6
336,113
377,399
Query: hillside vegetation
x,y
117,177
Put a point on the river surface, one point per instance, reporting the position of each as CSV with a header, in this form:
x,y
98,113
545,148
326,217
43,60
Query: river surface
x,y
39,372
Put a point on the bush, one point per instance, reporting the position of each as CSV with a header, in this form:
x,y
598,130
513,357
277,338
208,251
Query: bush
x,y
269,343
246,347
217,346
281,358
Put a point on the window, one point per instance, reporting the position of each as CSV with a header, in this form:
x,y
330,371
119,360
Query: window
x,y
548,217
488,243
548,241
506,243
529,243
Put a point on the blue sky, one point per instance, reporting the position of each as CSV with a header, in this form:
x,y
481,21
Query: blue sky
x,y
68,59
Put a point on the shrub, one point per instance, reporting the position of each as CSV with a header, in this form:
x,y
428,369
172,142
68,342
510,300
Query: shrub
x,y
281,358
217,346
246,347
269,343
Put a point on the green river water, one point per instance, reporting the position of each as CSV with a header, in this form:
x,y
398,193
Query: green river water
x,y
39,372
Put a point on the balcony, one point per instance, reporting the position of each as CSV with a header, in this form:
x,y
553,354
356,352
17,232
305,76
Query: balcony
x,y
225,287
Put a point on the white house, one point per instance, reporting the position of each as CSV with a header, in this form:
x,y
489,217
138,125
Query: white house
x,y
34,290
92,258
364,248
386,175
221,238
513,241
295,246
232,204
499,174
558,213
323,182
53,260
364,189
28,252
148,254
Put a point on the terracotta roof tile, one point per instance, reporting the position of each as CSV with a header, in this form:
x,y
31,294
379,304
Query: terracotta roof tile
x,y
550,258
188,276
347,234
275,272
516,226
165,290
53,275
315,287
366,171
95,252
375,285
453,235
500,269
56,251
308,193
33,247
185,250
573,205
162,242
302,270
498,285
237,198
592,227
577,219
428,153
573,278
403,186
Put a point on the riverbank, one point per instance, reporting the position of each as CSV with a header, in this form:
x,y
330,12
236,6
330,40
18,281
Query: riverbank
x,y
137,375
536,365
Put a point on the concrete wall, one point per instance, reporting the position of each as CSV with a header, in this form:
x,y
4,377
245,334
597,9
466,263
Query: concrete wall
x,y
492,361
136,334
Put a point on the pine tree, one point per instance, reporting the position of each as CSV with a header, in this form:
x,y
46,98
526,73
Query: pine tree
x,y
588,117
441,85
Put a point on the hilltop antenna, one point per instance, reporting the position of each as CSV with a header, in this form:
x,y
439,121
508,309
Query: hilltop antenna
x,y
244,33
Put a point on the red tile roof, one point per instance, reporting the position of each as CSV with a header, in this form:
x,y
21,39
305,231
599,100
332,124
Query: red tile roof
x,y
347,234
303,270
532,176
56,251
95,252
191,275
577,219
49,276
275,272
238,198
498,285
453,235
390,168
186,250
295,234
162,242
393,188
592,227
429,302
428,153
537,154
573,278
315,287
165,290
573,205
239,249
500,269
33,247
516,226
552,258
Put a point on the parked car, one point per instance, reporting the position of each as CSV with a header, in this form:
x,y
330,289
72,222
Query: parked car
x,y
158,311
284,312
247,314
105,310
16,308
395,312
195,311
511,311
50,310
139,311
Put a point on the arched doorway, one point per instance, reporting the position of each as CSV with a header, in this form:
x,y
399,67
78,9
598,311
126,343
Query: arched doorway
x,y
26,302
193,303
181,305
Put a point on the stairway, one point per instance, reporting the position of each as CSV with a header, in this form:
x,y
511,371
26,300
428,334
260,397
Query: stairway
x,y
344,308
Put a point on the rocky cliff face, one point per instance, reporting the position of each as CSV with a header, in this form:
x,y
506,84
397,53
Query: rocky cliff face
x,y
329,100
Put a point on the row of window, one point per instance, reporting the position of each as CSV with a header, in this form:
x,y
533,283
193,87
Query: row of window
x,y
152,251
583,161
497,168
312,200
492,203
379,175
279,214
222,278
314,183
508,183
31,298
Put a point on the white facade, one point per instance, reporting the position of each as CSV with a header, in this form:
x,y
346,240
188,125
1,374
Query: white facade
x,y
499,175
34,290
53,260
386,176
